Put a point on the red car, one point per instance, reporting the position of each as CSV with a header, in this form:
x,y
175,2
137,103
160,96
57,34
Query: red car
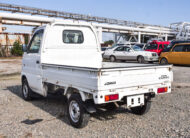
x,y
156,46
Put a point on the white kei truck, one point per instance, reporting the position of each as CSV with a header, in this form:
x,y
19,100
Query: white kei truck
x,y
66,57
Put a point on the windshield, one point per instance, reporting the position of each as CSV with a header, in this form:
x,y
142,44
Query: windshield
x,y
114,45
169,46
151,46
137,48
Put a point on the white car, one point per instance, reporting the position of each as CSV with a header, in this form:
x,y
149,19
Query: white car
x,y
131,53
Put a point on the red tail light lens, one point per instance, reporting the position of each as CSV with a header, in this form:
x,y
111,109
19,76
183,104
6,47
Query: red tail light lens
x,y
162,90
111,97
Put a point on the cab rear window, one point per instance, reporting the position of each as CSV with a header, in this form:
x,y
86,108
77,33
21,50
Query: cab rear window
x,y
73,37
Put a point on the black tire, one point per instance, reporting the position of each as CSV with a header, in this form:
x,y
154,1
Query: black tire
x,y
110,106
141,110
140,59
164,61
81,120
27,93
151,62
123,60
112,59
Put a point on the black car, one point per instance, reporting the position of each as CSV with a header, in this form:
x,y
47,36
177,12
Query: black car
x,y
140,45
167,48
103,48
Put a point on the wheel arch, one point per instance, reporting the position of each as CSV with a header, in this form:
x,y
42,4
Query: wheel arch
x,y
112,56
23,78
71,90
139,56
163,58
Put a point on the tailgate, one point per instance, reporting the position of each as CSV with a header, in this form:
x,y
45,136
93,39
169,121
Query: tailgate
x,y
134,77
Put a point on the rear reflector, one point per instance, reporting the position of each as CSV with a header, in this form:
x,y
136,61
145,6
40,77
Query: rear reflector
x,y
111,97
162,90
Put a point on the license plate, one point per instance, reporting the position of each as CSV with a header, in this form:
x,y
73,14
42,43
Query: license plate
x,y
136,100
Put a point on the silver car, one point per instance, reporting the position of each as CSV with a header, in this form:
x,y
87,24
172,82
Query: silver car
x,y
130,53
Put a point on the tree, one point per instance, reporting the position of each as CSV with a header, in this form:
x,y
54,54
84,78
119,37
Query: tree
x,y
109,42
17,49
26,39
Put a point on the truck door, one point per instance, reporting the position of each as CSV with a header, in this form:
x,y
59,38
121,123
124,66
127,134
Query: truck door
x,y
31,63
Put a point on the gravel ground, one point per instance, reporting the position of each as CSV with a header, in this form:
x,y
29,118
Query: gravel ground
x,y
9,66
46,117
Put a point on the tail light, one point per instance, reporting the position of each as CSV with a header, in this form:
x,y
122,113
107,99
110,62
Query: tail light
x,y
162,90
111,97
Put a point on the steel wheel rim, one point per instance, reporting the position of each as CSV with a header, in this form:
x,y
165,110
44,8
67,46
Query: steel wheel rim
x,y
74,111
25,90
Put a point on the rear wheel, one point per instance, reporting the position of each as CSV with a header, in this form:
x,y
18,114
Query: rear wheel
x,y
140,59
77,114
141,110
112,59
164,61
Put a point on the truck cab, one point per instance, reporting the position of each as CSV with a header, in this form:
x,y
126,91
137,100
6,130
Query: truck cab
x,y
156,46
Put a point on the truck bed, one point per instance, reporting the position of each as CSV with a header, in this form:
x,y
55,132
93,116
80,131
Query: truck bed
x,y
124,74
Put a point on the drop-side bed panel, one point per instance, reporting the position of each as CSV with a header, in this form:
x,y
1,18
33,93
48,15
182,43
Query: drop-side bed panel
x,y
117,78
84,79
94,80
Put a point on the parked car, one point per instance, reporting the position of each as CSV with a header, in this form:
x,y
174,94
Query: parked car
x,y
178,54
172,43
103,48
66,57
156,46
130,53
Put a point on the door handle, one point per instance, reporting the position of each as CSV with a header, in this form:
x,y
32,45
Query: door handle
x,y
37,62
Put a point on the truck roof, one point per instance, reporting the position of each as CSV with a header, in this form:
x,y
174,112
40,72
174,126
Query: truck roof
x,y
160,42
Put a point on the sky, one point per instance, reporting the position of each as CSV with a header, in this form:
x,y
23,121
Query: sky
x,y
157,12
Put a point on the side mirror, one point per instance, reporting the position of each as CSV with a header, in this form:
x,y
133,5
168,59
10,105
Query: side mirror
x,y
24,48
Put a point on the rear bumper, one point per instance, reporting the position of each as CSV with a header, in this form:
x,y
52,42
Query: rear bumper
x,y
99,97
